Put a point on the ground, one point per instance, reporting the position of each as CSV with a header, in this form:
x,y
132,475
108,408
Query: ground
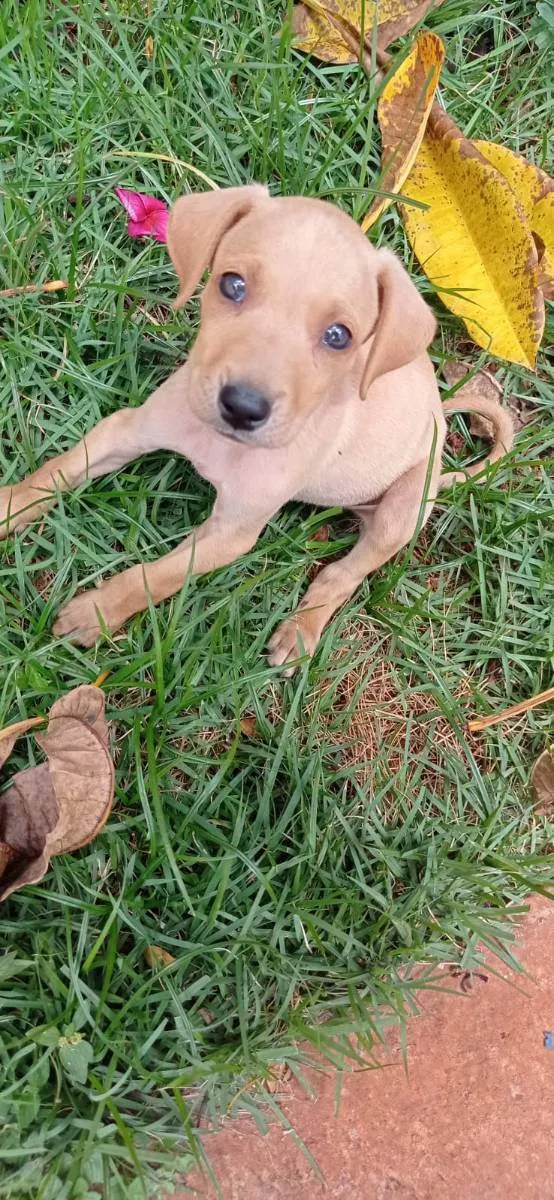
x,y
467,1111
294,863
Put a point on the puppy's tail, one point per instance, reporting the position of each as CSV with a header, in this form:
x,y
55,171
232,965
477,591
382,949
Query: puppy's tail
x,y
495,423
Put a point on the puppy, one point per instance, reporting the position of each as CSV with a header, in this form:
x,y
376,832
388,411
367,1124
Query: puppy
x,y
309,380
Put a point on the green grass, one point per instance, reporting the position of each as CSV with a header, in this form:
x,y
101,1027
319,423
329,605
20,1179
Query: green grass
x,y
294,897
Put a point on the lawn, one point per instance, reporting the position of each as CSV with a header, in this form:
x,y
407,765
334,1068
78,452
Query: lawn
x,y
296,868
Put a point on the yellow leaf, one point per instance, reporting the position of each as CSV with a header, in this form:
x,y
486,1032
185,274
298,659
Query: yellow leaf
x,y
156,957
527,180
314,34
403,111
248,726
474,243
535,192
331,30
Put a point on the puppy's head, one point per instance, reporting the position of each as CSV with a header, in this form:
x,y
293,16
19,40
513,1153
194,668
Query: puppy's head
x,y
299,310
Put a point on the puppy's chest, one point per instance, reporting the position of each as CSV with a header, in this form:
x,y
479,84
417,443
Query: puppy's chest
x,y
348,477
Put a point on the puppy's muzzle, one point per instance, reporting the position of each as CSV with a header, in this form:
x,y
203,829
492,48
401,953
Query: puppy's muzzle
x,y
243,407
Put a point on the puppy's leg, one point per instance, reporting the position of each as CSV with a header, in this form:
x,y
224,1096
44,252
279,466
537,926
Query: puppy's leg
x,y
113,442
386,528
219,541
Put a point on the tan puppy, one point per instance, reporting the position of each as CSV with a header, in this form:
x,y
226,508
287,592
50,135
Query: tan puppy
x,y
309,380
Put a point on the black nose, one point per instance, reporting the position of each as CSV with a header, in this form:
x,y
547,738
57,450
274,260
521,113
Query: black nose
x,y
242,406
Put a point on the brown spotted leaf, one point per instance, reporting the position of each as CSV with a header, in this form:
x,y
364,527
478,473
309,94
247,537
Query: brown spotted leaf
x,y
62,804
403,111
474,242
334,30
535,192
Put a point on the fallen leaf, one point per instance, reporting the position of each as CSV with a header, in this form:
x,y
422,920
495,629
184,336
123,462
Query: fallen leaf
x,y
55,285
515,710
474,242
248,726
485,384
332,31
80,767
542,224
148,216
315,34
535,192
403,111
480,384
155,957
397,17
542,779
62,804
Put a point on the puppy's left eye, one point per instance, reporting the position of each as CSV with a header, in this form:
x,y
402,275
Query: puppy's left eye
x,y
337,337
233,287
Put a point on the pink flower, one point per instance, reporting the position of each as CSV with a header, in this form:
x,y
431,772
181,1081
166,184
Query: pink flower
x,y
148,216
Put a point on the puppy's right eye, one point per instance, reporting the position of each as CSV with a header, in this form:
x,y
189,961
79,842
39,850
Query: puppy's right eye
x,y
233,287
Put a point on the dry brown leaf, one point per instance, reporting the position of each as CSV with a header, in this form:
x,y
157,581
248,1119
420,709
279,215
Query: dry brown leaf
x,y
156,957
60,805
482,384
28,811
331,30
248,726
403,111
485,384
55,285
7,855
542,779
80,767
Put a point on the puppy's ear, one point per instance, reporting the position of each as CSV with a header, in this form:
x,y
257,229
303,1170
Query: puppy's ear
x,y
197,224
405,325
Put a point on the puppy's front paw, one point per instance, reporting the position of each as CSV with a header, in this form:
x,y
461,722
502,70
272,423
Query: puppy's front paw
x,y
80,619
294,639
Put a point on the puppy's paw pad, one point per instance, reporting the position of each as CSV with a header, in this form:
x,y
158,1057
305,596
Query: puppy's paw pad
x,y
79,621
